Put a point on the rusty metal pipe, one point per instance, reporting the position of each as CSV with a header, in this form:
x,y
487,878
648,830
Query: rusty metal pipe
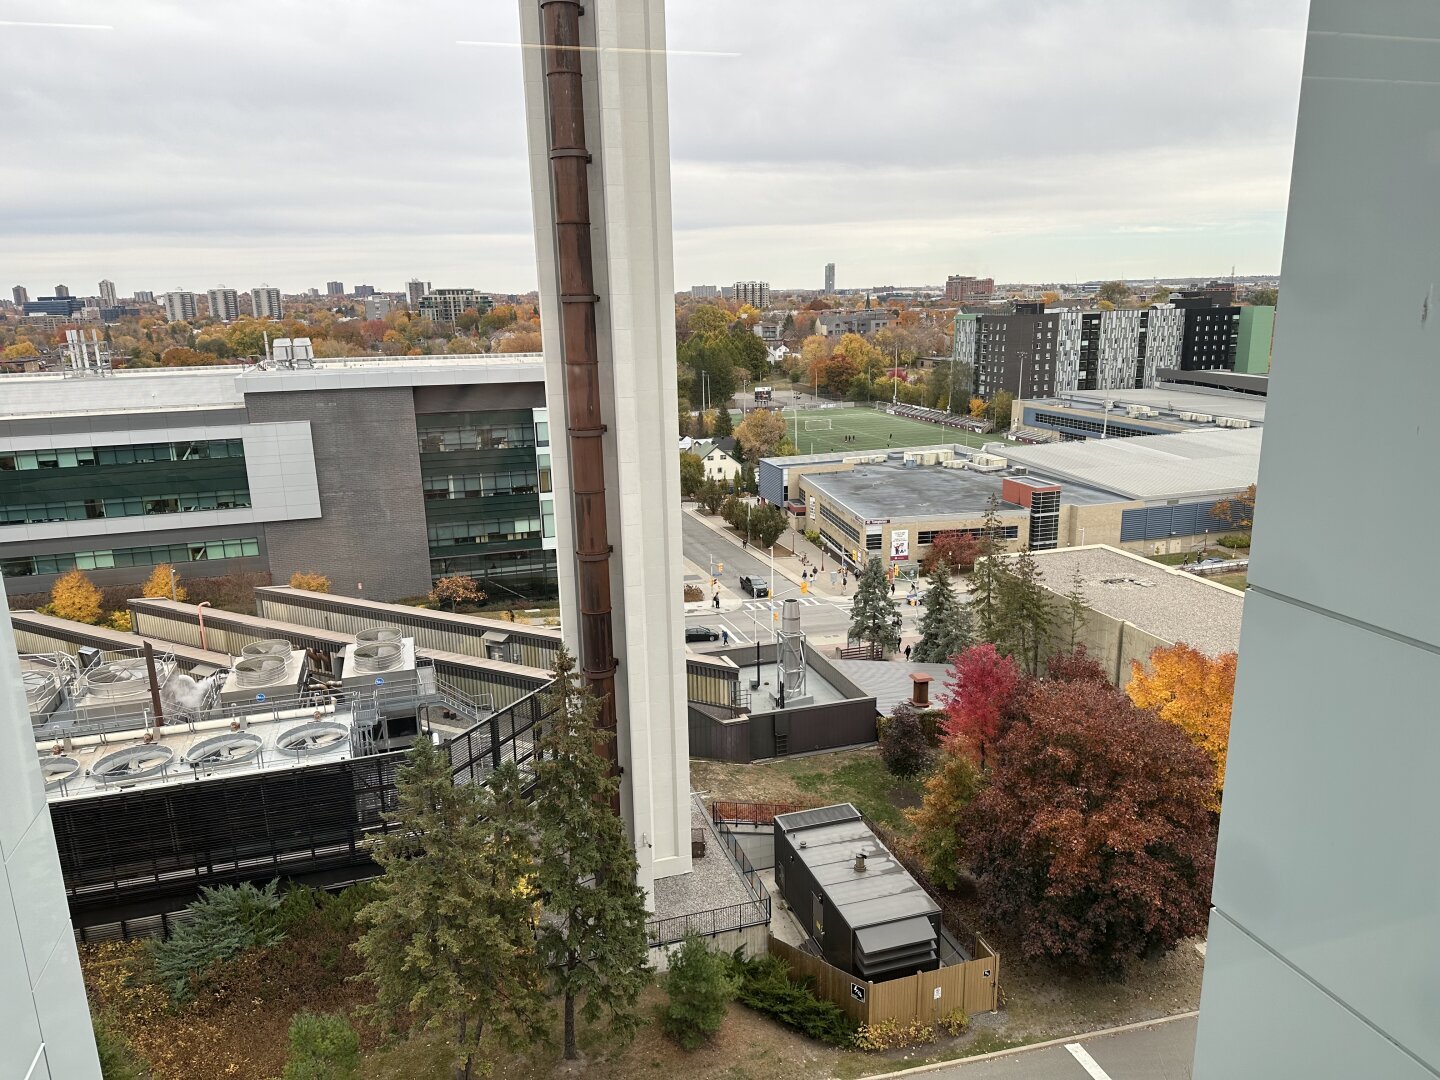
x,y
569,162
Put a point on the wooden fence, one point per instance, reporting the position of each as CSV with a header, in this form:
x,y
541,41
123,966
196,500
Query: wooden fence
x,y
926,995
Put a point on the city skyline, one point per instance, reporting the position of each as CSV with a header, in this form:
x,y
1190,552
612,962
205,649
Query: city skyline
x,y
1018,181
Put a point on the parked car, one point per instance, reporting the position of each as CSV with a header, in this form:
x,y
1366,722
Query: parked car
x,y
795,506
701,633
755,586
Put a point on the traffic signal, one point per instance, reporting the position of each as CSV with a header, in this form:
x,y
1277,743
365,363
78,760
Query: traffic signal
x,y
720,568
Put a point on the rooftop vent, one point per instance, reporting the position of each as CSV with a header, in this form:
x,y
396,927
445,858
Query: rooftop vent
x,y
375,656
377,633
58,770
133,763
860,862
257,670
232,748
268,647
313,739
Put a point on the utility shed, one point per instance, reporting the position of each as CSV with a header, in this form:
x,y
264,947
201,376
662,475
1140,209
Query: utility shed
x,y
877,922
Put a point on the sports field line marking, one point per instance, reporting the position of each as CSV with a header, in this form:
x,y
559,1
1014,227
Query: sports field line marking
x,y
1088,1063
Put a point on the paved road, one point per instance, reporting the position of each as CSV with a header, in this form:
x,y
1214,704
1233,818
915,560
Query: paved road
x,y
1162,1052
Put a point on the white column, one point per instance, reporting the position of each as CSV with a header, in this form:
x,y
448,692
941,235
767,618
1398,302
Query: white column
x,y
47,1021
627,133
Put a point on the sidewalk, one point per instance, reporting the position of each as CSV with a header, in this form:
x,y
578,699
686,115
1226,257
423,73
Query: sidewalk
x,y
699,576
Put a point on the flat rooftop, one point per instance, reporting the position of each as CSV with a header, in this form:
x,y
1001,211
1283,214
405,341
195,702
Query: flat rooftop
x,y
1185,465
883,892
898,492
1158,599
49,394
1171,399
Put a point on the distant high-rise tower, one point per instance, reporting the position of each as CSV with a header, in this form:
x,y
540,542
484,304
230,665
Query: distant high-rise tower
x,y
414,290
334,288
179,306
107,294
362,291
224,304
21,295
62,291
144,296
266,302
829,277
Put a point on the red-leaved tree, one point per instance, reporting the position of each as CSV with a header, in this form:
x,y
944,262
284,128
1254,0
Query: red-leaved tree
x,y
1075,666
982,696
959,549
1093,840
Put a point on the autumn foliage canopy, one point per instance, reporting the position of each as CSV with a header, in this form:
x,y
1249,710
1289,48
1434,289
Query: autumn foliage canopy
x,y
1092,839
982,696
1194,692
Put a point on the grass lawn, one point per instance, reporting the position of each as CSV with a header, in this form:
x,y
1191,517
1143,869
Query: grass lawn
x,y
873,429
854,776
1235,581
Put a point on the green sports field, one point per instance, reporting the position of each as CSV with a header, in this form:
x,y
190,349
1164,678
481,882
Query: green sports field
x,y
872,430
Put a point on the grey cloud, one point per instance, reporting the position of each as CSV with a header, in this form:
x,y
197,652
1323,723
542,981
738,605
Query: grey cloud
x,y
297,142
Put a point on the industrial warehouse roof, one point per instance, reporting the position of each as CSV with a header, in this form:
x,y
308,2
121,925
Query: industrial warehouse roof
x,y
1168,603
827,840
1186,465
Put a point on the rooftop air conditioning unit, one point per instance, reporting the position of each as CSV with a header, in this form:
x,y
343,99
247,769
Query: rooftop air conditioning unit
x,y
266,674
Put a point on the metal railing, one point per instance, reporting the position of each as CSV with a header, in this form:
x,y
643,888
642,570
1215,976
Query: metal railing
x,y
673,928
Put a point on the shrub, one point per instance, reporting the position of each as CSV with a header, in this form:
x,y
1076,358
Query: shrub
x,y
226,920
693,594
309,582
931,723
1234,540
456,589
813,535
892,1034
323,1046
164,584
122,621
903,747
766,987
118,1060
75,596
700,984
955,1022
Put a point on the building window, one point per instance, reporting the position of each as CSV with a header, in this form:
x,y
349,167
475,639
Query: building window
x,y
153,555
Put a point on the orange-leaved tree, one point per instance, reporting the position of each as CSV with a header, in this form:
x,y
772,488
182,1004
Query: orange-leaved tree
x,y
455,590
75,597
300,579
164,583
1192,691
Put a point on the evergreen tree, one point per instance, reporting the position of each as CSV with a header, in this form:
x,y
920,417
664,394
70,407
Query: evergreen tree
x,y
700,984
1072,620
986,578
946,626
450,941
874,616
724,423
1026,618
592,939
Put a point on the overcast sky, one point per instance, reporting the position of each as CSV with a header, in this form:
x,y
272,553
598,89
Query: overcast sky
x,y
200,143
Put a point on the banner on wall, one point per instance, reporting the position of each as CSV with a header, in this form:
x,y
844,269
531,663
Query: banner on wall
x,y
900,545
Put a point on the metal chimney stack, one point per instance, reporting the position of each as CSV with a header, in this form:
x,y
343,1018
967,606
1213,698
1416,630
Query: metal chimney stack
x,y
790,658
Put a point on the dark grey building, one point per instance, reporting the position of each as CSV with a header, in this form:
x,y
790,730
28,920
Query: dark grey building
x,y
1017,352
863,910
380,474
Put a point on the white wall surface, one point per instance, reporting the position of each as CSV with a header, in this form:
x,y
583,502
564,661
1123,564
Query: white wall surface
x,y
1324,954
627,131
42,997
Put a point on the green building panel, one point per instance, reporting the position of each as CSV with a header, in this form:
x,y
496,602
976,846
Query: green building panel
x,y
1252,351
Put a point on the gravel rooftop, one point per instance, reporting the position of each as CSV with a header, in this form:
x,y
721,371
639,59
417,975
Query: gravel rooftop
x,y
1173,605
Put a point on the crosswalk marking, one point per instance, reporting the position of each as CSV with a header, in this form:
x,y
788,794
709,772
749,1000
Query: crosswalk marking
x,y
1088,1063
774,605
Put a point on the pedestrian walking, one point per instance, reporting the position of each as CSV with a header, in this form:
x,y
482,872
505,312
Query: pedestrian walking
x,y
844,582
725,640
892,588
717,600
907,654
